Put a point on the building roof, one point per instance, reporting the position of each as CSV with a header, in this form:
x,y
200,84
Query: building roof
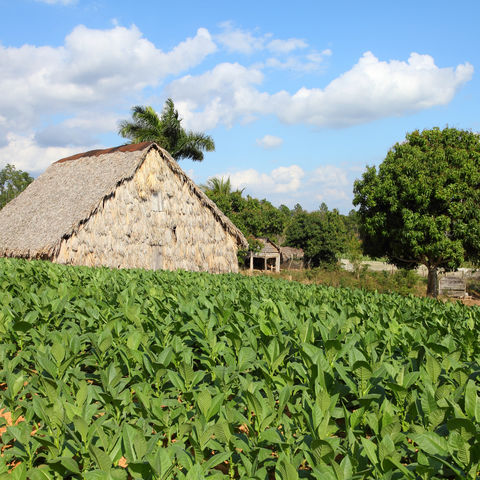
x,y
70,191
268,246
290,253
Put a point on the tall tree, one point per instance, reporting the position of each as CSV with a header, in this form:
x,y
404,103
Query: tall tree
x,y
12,182
422,206
167,131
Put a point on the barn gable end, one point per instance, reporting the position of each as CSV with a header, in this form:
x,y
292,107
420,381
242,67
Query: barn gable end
x,y
155,221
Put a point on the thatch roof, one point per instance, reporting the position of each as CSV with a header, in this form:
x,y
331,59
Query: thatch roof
x,y
69,192
290,253
268,246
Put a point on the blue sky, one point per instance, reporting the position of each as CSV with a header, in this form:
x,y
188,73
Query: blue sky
x,y
299,97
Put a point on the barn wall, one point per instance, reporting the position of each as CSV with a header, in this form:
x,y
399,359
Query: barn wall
x,y
153,221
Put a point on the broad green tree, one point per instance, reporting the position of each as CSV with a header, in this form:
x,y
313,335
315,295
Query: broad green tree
x,y
12,182
167,131
321,234
261,218
422,205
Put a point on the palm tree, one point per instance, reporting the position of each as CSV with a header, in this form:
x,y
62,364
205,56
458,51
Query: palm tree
x,y
218,186
167,131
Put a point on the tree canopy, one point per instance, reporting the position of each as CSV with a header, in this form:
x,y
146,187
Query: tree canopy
x,y
167,131
422,206
254,217
12,182
321,234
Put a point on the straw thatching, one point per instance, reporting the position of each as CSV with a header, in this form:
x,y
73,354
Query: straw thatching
x,y
126,207
291,258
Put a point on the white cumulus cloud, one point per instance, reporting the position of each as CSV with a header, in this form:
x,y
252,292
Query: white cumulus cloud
x,y
235,39
286,46
226,94
329,175
82,129
94,68
372,89
279,180
269,142
291,184
305,64
333,195
26,154
238,40
330,184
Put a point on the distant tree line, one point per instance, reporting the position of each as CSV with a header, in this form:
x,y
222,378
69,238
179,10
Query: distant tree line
x,y
421,207
323,234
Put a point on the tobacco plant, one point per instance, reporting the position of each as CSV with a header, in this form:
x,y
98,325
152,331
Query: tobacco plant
x,y
176,375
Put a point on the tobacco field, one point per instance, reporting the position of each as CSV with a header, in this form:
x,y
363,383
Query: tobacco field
x,y
175,375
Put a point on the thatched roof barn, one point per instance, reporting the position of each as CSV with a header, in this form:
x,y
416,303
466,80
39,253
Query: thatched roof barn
x,y
125,207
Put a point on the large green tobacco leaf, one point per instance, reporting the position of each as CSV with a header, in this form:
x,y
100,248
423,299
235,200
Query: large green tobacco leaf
x,y
116,374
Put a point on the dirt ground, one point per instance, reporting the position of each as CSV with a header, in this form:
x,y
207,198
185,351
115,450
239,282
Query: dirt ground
x,y
471,301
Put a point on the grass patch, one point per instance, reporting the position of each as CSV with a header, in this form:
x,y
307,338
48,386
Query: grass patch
x,y
404,282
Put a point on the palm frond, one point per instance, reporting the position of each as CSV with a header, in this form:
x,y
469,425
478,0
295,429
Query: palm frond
x,y
219,185
166,130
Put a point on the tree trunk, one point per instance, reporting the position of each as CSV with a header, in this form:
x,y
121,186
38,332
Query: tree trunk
x,y
432,285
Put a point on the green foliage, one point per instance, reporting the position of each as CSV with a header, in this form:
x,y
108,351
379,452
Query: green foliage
x,y
188,375
321,234
12,182
404,282
167,131
260,218
422,206
218,186
254,217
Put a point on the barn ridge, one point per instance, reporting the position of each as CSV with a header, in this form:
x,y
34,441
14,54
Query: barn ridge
x,y
129,147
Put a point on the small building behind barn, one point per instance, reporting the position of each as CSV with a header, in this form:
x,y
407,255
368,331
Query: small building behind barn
x,y
291,258
125,207
268,258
